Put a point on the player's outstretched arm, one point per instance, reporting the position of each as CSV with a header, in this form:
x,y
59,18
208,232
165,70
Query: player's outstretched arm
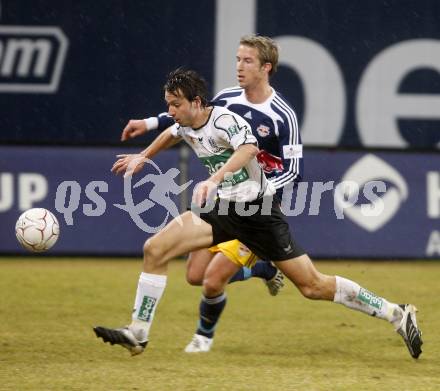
x,y
134,128
138,127
130,164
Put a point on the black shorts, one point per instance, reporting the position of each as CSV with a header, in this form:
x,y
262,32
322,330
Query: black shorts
x,y
265,232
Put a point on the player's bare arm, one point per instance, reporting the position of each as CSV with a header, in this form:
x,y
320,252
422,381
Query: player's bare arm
x,y
240,158
132,163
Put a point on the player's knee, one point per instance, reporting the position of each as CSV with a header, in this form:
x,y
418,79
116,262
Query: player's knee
x,y
194,278
312,289
213,286
308,291
153,252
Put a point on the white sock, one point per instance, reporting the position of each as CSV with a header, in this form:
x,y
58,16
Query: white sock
x,y
354,296
149,291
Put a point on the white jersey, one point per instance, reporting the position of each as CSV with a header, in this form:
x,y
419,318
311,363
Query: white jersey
x,y
215,142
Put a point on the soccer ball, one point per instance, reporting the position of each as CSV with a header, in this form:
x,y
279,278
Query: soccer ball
x,y
37,229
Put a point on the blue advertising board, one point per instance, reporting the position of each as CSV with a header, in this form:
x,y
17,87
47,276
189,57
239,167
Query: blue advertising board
x,y
91,203
350,204
360,74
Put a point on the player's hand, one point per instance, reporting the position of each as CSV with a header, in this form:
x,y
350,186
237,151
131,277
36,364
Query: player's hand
x,y
128,164
134,128
203,192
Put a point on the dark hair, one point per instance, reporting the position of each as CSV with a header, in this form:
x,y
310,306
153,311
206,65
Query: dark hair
x,y
187,83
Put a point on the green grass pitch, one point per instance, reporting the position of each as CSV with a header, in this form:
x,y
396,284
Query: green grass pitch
x,y
49,306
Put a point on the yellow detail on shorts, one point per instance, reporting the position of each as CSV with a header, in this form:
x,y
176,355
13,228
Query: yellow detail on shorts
x,y
237,252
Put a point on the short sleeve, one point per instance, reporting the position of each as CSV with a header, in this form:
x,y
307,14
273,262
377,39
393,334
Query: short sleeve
x,y
234,130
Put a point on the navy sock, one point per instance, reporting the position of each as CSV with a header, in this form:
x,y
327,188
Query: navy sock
x,y
243,274
263,269
210,311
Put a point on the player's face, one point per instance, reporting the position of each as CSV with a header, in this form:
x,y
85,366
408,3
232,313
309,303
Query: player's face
x,y
181,109
250,71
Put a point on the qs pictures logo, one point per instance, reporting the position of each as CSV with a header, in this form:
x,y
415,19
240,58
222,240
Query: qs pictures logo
x,y
366,171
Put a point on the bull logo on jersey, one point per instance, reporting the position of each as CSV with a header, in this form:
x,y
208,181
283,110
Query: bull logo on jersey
x,y
263,131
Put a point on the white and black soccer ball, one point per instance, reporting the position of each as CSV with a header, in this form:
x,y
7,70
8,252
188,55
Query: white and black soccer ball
x,y
37,229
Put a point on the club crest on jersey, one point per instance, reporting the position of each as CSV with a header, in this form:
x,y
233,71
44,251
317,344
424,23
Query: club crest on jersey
x,y
263,131
215,148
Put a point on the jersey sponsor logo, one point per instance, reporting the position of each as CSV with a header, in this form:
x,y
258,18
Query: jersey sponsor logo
x,y
263,131
292,151
215,162
31,59
370,170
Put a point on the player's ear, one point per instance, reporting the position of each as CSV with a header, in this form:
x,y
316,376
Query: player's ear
x,y
198,101
267,66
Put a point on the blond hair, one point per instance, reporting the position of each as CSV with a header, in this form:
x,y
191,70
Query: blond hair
x,y
267,49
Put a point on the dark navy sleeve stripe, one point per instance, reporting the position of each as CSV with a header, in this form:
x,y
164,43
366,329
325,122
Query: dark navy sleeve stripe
x,y
228,93
226,96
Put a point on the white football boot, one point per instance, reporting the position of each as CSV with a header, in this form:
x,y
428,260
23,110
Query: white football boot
x,y
199,344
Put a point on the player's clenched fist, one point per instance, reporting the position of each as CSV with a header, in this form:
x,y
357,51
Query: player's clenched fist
x,y
134,128
203,192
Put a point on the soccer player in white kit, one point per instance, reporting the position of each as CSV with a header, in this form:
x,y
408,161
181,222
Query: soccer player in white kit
x,y
274,124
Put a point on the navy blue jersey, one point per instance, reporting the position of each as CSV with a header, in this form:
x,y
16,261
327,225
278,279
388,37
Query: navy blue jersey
x,y
275,126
